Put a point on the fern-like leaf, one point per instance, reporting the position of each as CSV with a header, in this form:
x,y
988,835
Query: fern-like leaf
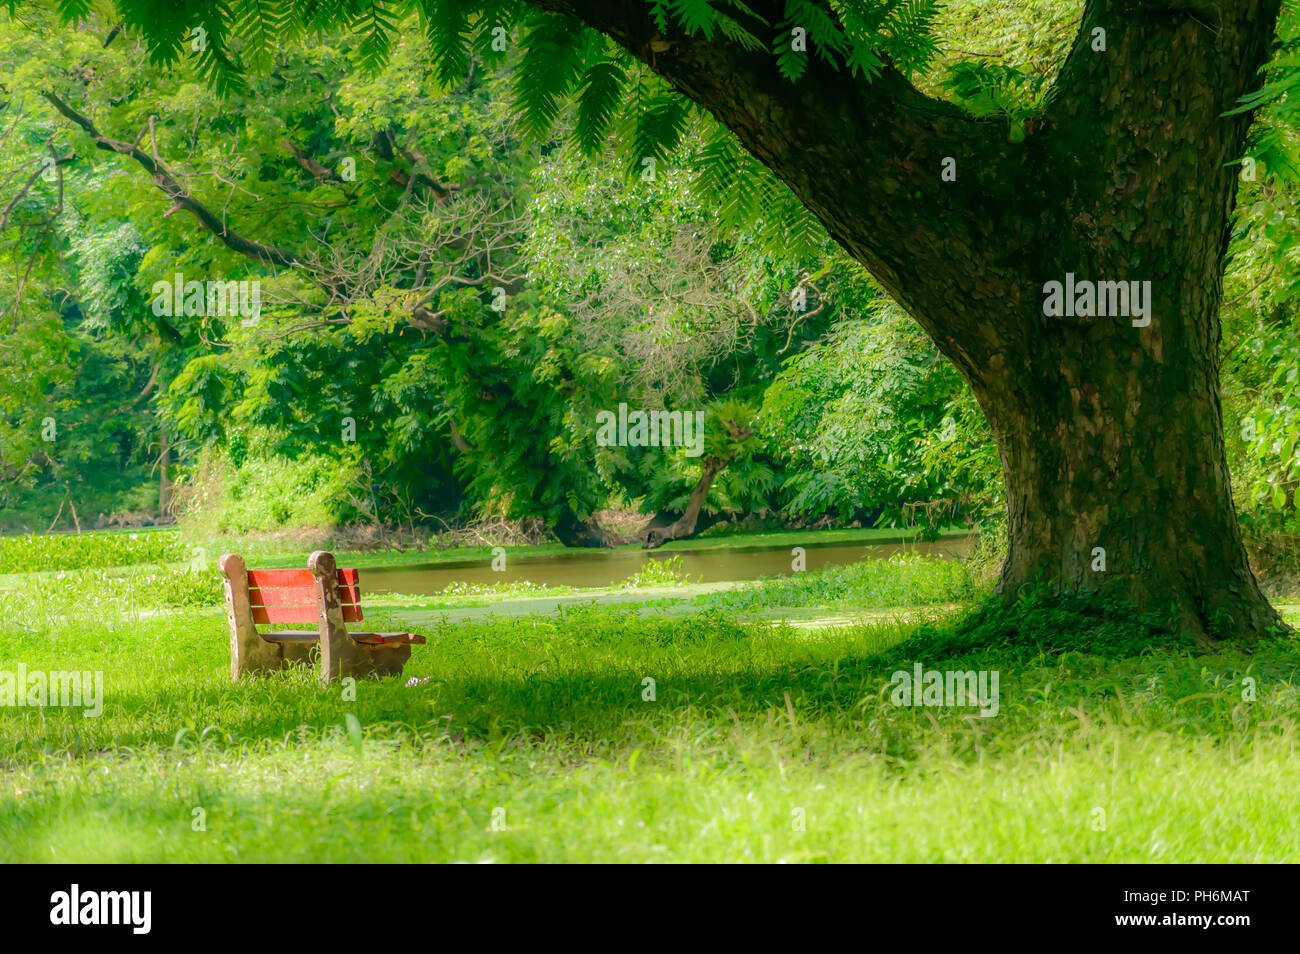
x,y
70,11
602,88
377,26
658,128
445,30
551,66
261,23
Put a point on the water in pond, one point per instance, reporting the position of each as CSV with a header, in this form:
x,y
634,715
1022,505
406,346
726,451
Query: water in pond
x,y
614,566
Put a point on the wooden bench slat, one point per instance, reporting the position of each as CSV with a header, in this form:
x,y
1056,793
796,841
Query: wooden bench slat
x,y
295,597
370,639
301,613
280,578
290,578
284,614
299,596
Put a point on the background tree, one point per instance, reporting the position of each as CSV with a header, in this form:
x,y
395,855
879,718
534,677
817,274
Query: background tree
x,y
1111,434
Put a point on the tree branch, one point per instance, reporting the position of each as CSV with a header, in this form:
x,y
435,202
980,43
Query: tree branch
x,y
319,172
180,196
865,156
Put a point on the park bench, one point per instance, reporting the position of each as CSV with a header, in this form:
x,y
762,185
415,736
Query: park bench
x,y
321,594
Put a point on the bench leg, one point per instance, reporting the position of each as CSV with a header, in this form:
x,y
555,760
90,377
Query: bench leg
x,y
254,655
380,660
339,655
359,660
249,652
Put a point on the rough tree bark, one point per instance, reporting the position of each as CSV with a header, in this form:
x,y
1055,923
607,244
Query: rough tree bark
x,y
690,522
687,523
1111,435
664,519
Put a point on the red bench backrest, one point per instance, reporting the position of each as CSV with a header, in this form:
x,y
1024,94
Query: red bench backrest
x,y
289,596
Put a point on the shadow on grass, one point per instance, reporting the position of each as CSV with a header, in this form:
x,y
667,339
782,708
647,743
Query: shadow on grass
x,y
606,678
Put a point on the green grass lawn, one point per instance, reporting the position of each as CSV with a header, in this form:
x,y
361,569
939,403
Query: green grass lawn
x,y
535,739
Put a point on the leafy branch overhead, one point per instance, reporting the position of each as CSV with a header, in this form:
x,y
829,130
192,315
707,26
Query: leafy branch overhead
x,y
565,58
623,66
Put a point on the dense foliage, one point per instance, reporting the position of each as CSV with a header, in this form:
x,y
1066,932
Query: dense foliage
x,y
468,247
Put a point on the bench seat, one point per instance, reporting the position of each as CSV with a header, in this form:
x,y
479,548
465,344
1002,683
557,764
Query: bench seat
x,y
368,639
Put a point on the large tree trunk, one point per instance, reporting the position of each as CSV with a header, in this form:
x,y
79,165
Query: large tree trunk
x,y
1111,435
1110,428
687,524
1117,483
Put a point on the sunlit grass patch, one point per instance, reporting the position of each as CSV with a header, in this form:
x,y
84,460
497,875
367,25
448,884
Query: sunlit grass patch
x,y
900,580
596,733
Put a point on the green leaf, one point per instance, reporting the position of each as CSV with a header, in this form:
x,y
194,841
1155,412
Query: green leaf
x,y
659,125
446,31
354,730
602,87
551,66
